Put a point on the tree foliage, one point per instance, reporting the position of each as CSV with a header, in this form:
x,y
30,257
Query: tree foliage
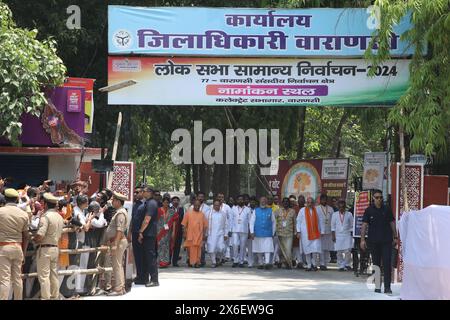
x,y
424,110
27,67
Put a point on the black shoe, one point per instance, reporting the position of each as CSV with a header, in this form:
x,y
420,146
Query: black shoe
x,y
388,291
323,268
241,265
234,265
175,265
300,266
341,269
245,262
348,268
378,290
152,284
140,282
279,265
315,268
309,269
261,267
268,266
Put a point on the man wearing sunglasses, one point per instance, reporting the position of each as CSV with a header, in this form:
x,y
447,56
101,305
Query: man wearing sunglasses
x,y
381,238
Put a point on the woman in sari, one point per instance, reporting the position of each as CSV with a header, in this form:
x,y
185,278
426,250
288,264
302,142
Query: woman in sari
x,y
165,238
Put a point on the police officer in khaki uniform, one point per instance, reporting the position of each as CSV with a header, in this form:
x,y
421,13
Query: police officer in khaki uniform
x,y
115,234
13,245
49,232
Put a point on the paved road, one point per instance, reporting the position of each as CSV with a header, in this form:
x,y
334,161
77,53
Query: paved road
x,y
236,283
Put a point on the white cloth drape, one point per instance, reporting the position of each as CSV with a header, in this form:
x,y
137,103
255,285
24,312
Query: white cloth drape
x,y
426,253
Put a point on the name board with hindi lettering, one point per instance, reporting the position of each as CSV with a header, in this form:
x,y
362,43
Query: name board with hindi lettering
x,y
214,81
247,32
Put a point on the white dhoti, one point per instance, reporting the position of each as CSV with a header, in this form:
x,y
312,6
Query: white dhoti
x,y
215,244
263,245
327,246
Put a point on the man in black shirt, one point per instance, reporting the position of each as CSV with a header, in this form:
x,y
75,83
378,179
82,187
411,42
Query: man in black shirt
x,y
137,216
147,236
382,236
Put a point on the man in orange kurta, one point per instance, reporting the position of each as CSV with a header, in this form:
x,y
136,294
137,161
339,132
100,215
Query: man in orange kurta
x,y
195,231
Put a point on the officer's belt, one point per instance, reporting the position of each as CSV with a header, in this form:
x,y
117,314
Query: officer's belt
x,y
9,243
46,245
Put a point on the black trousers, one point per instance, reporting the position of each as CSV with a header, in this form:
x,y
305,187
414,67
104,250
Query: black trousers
x,y
150,259
138,253
382,251
177,248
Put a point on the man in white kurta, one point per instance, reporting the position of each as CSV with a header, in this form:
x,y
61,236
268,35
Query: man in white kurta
x,y
217,233
262,230
311,248
239,225
342,228
325,211
225,208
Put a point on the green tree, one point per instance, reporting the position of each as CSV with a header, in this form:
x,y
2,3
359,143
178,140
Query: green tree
x,y
27,68
424,110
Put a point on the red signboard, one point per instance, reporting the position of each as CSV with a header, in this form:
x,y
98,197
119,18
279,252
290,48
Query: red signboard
x,y
362,201
311,178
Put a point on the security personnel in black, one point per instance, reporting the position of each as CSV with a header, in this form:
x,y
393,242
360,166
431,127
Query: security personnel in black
x,y
381,238
147,237
137,216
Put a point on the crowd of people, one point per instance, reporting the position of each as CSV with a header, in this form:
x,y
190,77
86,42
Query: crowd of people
x,y
244,231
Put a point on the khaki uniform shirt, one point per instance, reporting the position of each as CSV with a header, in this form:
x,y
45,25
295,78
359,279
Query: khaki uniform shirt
x,y
50,227
285,222
13,221
118,223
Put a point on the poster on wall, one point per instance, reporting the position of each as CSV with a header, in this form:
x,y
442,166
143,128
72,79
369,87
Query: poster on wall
x,y
305,177
88,85
255,82
374,170
247,32
362,202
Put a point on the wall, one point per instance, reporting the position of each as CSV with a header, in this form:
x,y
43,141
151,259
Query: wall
x,y
62,168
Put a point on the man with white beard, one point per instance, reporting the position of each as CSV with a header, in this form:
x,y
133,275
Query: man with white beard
x,y
218,228
325,212
262,230
239,226
308,231
342,227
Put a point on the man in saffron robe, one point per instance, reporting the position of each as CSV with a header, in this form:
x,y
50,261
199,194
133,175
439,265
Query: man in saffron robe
x,y
195,232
